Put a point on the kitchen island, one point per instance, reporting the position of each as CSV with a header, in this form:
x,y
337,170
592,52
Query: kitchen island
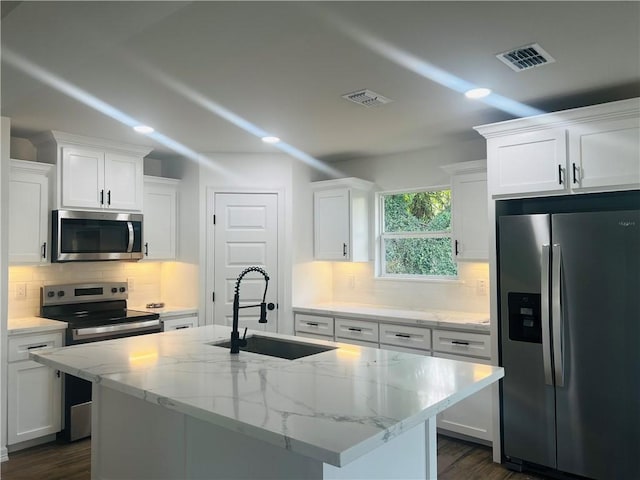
x,y
171,405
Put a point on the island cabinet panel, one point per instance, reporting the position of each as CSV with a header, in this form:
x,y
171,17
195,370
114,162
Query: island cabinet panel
x,y
359,330
314,325
34,390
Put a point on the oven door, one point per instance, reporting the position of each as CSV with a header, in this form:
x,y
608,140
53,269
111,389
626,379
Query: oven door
x,y
90,236
109,332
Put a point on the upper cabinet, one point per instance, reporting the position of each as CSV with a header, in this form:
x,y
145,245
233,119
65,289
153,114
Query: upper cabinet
x,y
341,219
470,220
160,210
94,174
28,212
588,149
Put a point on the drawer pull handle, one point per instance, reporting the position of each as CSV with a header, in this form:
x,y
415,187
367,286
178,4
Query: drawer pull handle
x,y
459,342
33,347
354,329
182,326
403,335
312,324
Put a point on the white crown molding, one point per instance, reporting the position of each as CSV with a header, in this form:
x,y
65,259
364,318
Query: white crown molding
x,y
69,139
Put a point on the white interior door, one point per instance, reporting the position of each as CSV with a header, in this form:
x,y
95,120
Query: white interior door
x,y
245,235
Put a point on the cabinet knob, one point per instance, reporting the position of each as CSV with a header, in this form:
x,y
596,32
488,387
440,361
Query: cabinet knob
x,y
344,249
457,250
102,197
146,249
44,250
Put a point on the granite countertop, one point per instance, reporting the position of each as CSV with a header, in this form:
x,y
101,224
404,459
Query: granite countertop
x,y
19,326
429,318
333,406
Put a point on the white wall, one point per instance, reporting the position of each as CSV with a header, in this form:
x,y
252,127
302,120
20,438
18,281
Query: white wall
x,y
356,282
4,256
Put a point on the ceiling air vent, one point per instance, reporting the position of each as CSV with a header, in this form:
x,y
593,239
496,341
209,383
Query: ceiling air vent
x,y
366,98
525,58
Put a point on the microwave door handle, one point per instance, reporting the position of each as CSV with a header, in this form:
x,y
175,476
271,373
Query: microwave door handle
x,y
544,314
131,237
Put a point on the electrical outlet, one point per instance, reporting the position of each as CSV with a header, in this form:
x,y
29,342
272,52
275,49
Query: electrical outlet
x,y
481,287
131,284
21,290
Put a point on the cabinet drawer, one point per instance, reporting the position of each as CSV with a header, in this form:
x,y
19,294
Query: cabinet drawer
x,y
178,323
357,330
462,343
20,346
314,324
403,336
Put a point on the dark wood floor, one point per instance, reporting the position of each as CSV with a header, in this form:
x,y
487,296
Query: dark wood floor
x,y
71,461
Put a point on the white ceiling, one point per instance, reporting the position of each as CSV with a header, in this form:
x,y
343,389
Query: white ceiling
x,y
188,68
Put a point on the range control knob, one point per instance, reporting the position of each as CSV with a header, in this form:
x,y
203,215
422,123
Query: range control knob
x,y
114,290
61,293
51,293
122,289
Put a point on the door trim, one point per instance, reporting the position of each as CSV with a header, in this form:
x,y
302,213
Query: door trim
x,y
284,262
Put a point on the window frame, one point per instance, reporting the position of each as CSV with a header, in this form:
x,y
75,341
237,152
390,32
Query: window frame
x,y
381,236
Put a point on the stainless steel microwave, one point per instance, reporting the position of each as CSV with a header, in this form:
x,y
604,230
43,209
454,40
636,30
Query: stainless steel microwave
x,y
93,236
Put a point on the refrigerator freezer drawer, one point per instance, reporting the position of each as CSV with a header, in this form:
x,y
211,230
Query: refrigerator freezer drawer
x,y
462,343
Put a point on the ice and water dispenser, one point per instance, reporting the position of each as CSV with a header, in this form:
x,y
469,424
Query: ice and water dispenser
x,y
525,324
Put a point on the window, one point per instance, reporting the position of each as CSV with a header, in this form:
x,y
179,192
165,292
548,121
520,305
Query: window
x,y
415,234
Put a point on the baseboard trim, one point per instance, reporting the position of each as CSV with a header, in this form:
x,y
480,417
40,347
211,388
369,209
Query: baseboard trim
x,y
31,443
4,454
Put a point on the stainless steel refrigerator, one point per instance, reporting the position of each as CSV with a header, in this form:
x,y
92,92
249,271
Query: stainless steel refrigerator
x,y
569,315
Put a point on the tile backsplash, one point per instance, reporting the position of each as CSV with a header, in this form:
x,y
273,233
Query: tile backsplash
x,y
144,281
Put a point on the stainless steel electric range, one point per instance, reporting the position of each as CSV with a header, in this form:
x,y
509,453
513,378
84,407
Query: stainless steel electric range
x,y
94,312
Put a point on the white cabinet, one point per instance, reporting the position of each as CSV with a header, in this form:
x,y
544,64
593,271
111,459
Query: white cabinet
x,y
315,325
160,218
29,212
178,322
358,330
412,339
587,149
473,415
528,162
34,390
594,163
470,209
341,213
94,174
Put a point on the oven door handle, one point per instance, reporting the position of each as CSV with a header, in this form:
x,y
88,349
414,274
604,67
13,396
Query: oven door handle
x,y
131,237
119,328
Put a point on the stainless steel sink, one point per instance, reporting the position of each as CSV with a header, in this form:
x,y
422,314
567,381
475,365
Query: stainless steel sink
x,y
278,347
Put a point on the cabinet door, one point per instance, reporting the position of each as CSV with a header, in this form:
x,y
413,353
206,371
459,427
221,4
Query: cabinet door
x,y
473,415
82,181
28,217
528,162
179,323
123,182
331,224
159,222
470,216
34,403
605,154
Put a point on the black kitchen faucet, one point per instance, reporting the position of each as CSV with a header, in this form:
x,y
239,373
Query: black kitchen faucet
x,y
236,341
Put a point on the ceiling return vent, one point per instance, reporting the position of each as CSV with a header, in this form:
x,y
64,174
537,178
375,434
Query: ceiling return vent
x,y
525,58
366,98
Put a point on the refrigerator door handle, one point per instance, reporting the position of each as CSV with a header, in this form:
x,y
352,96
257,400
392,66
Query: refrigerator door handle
x,y
544,307
556,316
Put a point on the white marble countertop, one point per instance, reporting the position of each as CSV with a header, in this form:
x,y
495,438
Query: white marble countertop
x,y
167,310
334,406
19,326
478,322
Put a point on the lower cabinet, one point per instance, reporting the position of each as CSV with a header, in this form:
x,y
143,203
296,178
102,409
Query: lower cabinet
x,y
34,390
178,322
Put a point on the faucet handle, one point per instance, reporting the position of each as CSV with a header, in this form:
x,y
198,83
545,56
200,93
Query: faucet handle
x,y
245,333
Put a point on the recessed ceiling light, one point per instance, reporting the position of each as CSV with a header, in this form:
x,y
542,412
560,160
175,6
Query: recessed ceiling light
x,y
270,139
143,129
477,93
